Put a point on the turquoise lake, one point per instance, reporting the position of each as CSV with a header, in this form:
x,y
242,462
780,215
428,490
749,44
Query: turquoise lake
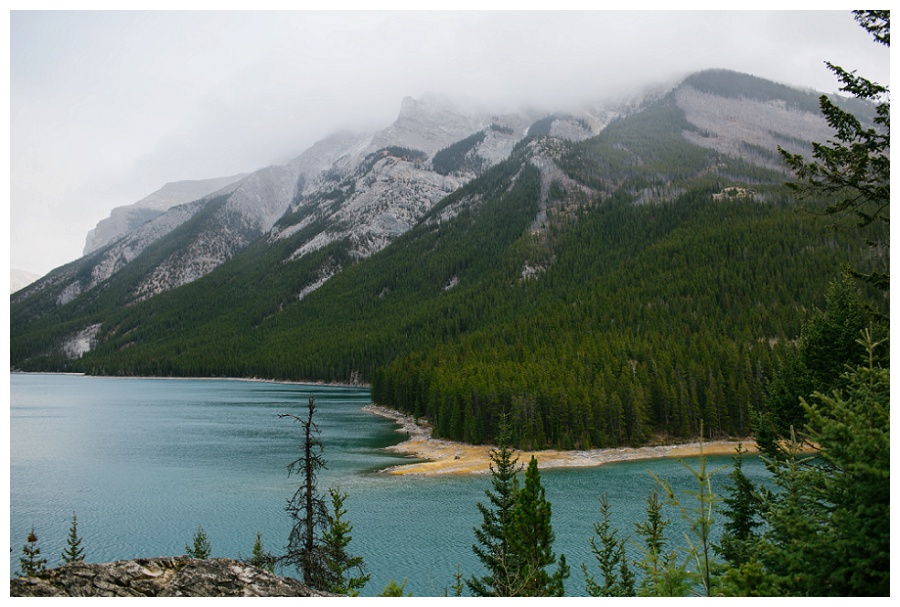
x,y
145,462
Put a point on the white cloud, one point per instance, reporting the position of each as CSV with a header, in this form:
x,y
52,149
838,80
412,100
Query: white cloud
x,y
106,107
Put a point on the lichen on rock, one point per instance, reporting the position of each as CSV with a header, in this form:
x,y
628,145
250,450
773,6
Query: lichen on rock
x,y
161,577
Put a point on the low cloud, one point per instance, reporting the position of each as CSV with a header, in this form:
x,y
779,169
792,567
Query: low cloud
x,y
107,107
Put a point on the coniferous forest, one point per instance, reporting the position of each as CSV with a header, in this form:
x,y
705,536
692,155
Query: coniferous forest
x,y
653,290
638,313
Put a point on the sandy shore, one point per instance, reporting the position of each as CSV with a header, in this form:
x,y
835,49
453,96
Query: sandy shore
x,y
448,457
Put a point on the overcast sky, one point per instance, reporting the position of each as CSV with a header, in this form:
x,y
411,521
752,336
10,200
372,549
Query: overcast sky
x,y
106,107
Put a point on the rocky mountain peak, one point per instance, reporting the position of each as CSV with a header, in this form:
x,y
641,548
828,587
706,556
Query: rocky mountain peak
x,y
128,218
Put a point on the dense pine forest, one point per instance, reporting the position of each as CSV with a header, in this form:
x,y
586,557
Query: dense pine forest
x,y
630,288
639,289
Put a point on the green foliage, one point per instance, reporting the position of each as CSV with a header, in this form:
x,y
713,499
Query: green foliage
x,y
74,552
662,573
458,584
457,156
828,342
855,166
393,590
261,558
618,579
31,563
851,480
338,562
493,548
541,127
828,528
531,541
741,511
699,517
201,548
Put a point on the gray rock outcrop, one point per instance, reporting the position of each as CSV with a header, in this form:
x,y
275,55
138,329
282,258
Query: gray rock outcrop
x,y
160,577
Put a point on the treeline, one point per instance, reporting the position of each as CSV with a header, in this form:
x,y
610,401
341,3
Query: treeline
x,y
649,322
615,321
819,526
637,323
457,156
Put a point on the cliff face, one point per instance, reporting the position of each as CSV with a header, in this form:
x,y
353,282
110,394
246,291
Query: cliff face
x,y
161,577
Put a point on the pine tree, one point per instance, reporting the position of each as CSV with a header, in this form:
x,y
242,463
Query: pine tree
x,y
618,579
663,575
699,517
261,558
531,540
852,431
855,166
742,508
31,563
338,562
74,552
391,589
307,506
493,549
458,583
201,548
828,522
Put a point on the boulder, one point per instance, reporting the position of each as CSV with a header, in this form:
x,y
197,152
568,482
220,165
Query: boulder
x,y
162,577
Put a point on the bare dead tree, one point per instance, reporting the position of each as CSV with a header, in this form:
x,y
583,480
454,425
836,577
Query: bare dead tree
x,y
307,507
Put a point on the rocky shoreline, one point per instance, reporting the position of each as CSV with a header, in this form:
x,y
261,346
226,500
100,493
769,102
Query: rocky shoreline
x,y
448,457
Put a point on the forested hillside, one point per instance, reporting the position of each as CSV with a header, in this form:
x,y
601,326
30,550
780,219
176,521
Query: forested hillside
x,y
628,288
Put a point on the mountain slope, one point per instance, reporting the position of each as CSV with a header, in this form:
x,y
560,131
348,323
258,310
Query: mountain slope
x,y
125,219
606,291
346,186
19,279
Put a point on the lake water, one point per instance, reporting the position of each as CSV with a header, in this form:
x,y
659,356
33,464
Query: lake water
x,y
144,462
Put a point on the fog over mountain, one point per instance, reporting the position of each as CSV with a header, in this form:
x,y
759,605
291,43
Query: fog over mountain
x,y
107,107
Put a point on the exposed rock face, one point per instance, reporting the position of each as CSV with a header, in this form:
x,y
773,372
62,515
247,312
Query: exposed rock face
x,y
128,218
161,577
749,128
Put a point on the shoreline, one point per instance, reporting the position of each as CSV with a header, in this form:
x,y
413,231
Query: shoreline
x,y
198,378
442,457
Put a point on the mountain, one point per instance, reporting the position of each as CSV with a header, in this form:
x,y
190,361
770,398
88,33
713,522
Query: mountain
x,y
19,279
627,281
368,186
123,220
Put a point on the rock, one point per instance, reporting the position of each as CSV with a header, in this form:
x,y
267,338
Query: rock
x,y
160,577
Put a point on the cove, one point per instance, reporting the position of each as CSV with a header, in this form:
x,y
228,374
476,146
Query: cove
x,y
144,462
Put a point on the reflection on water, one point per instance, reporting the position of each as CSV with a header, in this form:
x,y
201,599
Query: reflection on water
x,y
144,462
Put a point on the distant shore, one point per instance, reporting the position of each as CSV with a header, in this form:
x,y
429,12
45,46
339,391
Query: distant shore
x,y
198,378
449,457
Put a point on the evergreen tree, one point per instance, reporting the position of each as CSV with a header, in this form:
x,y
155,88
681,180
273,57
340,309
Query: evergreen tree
x,y
74,552
851,480
391,589
663,575
828,524
31,563
493,547
338,562
201,548
828,342
305,550
458,583
618,579
261,558
742,508
699,518
531,540
855,166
